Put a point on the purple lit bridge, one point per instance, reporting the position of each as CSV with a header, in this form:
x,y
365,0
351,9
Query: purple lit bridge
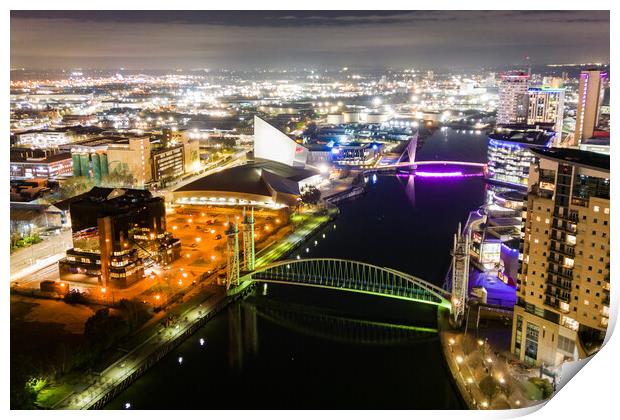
x,y
431,168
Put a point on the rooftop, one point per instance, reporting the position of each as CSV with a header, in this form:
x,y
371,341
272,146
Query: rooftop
x,y
41,160
249,178
525,134
583,158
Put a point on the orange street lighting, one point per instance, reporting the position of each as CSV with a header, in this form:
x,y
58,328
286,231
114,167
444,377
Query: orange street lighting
x,y
189,221
202,214
197,239
174,227
212,230
184,275
157,297
180,282
277,220
186,255
62,285
152,235
212,257
103,290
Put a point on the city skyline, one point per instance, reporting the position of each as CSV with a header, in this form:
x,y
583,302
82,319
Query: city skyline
x,y
247,39
332,209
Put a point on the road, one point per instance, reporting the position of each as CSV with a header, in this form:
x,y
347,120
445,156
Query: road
x,y
27,261
118,371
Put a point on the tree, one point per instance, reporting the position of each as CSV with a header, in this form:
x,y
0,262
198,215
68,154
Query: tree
x,y
102,329
75,186
489,386
119,178
136,313
311,195
74,296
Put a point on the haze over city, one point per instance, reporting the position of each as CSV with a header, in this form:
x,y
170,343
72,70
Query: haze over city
x,y
249,39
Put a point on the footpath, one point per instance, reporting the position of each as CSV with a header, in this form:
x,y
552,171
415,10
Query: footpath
x,y
97,389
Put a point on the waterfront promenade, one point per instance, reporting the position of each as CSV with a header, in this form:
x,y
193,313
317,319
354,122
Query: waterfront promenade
x,y
487,379
98,389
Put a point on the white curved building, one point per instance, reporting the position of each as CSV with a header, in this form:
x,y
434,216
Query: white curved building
x,y
272,144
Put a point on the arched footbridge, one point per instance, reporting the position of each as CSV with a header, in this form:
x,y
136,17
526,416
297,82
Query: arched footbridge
x,y
351,276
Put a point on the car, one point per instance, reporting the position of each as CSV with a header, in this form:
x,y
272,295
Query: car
x,y
218,237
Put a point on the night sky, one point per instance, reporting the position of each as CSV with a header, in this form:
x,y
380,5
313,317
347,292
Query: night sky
x,y
245,40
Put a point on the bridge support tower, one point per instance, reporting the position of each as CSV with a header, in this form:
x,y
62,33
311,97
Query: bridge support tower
x,y
410,149
232,255
248,240
460,274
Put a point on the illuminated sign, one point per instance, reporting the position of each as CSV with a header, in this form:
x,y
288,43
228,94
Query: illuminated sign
x,y
490,252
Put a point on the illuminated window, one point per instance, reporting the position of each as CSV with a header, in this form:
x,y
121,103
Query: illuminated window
x,y
596,209
569,262
606,211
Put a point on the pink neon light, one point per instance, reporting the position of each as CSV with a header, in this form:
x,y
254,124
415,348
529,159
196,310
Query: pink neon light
x,y
438,174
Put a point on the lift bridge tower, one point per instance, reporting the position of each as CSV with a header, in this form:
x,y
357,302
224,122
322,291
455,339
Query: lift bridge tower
x,y
232,255
248,240
460,274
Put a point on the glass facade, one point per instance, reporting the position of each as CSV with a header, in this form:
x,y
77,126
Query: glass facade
x,y
509,162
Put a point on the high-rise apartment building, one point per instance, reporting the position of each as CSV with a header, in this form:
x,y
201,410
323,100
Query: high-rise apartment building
x,y
562,307
513,99
546,105
591,92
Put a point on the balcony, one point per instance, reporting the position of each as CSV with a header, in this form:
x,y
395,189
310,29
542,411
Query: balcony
x,y
562,284
556,303
606,300
566,273
563,249
556,293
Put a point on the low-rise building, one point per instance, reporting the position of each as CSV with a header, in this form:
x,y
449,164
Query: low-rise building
x,y
116,233
510,155
30,164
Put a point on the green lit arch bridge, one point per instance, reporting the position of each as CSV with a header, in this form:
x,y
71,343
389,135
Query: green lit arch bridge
x,y
351,276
